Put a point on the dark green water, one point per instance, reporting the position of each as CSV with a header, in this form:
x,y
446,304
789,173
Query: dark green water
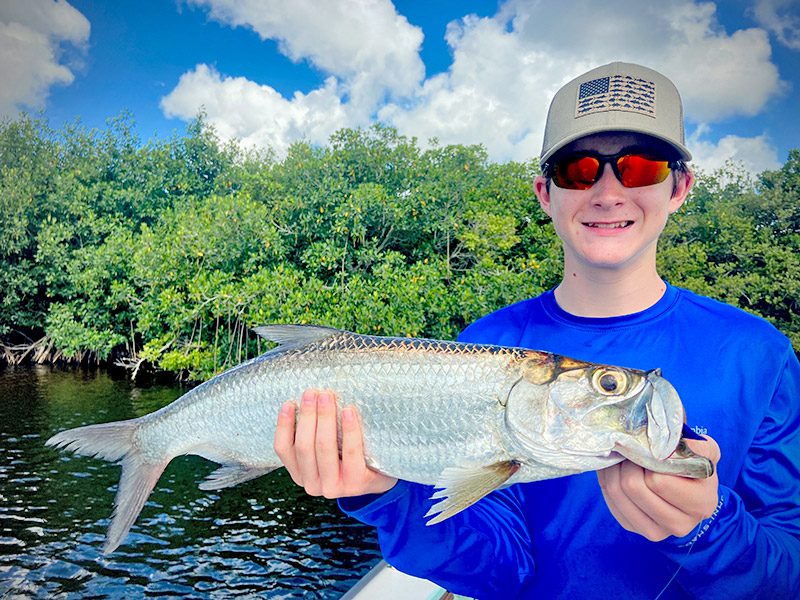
x,y
264,538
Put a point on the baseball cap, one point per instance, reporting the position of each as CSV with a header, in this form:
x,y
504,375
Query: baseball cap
x,y
615,97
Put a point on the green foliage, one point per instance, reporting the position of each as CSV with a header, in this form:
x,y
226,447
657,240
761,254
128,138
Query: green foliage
x,y
738,240
170,252
72,331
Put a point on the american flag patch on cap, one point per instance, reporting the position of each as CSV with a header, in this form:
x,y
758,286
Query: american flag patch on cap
x,y
617,92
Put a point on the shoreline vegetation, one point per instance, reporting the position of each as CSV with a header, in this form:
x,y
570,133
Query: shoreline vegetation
x,y
161,256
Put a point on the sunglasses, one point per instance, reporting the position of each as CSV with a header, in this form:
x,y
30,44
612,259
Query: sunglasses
x,y
581,170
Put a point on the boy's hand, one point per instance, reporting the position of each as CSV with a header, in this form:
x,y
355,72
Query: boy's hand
x,y
310,452
657,505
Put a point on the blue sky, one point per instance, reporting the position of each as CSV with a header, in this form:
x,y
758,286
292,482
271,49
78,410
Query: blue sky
x,y
269,72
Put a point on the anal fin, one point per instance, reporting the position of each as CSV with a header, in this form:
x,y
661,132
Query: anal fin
x,y
233,474
462,487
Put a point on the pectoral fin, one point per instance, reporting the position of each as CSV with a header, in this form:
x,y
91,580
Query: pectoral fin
x,y
462,487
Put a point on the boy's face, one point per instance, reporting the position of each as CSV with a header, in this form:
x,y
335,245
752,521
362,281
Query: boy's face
x,y
609,226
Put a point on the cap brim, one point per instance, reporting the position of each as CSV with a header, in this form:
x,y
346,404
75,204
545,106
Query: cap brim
x,y
682,150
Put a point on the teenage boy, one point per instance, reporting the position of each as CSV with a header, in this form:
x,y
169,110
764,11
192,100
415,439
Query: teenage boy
x,y
613,171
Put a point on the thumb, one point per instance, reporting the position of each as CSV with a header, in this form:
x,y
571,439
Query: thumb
x,y
707,448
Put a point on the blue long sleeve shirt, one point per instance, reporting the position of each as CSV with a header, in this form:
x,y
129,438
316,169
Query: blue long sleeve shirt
x,y
739,380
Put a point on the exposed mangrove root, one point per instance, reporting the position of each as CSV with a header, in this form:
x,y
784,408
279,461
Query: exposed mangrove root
x,y
43,351
130,363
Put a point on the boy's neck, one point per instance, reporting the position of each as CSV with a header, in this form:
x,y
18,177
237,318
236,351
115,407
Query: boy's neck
x,y
608,294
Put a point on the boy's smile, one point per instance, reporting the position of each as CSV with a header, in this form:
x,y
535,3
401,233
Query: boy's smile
x,y
609,225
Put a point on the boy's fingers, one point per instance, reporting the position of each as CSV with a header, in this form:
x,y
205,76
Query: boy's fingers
x,y
353,464
653,517
615,500
327,444
305,442
284,438
310,451
617,483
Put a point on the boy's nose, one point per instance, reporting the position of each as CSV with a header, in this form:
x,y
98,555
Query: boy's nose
x,y
608,190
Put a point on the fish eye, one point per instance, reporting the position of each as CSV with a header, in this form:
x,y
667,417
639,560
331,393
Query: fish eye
x,y
610,382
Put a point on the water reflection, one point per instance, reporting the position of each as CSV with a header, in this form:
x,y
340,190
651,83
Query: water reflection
x,y
264,538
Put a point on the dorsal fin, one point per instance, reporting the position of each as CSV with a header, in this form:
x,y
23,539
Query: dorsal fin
x,y
295,336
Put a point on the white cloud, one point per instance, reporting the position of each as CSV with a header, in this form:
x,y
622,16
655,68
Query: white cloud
x,y
367,49
257,114
504,72
775,16
486,96
754,154
371,48
506,68
675,37
672,36
33,37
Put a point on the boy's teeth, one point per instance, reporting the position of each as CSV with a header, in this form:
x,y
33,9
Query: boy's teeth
x,y
617,225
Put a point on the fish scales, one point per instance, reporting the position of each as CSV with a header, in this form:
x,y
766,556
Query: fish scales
x,y
406,394
467,418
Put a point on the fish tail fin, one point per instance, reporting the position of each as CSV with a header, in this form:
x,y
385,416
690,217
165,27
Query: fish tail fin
x,y
135,484
115,442
109,441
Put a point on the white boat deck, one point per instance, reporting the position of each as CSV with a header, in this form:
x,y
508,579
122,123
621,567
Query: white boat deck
x,y
384,582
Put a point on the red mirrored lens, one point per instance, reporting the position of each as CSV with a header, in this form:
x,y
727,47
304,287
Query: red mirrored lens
x,y
580,172
636,170
576,173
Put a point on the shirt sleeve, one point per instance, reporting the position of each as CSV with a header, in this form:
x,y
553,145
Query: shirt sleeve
x,y
483,551
750,547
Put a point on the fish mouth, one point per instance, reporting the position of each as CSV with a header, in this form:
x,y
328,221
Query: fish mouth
x,y
658,409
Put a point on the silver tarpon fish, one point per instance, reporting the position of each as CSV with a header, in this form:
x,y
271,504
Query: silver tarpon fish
x,y
466,418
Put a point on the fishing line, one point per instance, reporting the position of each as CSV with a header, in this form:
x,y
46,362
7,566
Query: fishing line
x,y
683,561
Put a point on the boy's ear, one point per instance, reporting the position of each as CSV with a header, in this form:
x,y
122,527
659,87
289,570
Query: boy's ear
x,y
683,186
542,193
